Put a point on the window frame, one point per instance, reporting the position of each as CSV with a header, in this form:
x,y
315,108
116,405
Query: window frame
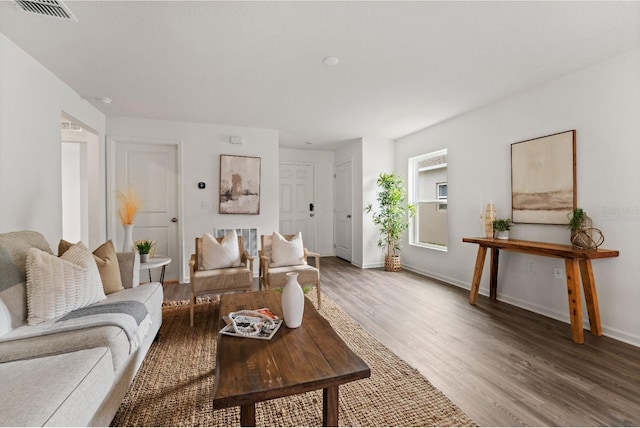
x,y
413,188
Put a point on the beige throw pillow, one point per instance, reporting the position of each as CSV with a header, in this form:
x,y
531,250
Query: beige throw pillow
x,y
107,261
286,253
57,285
221,255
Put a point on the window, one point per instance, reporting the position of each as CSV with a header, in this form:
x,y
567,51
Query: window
x,y
428,191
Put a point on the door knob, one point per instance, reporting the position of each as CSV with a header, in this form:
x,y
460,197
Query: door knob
x,y
174,220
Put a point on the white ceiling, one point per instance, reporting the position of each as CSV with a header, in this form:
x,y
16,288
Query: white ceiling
x,y
403,65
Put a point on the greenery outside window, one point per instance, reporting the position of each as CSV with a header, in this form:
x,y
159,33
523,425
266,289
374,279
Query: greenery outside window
x,y
428,191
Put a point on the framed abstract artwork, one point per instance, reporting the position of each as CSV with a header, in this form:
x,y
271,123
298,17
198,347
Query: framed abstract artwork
x,y
543,179
239,184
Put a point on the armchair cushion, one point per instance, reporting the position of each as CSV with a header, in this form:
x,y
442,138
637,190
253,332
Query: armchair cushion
x,y
306,275
225,254
286,252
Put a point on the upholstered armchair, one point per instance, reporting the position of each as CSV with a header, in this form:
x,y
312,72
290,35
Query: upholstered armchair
x,y
219,273
274,267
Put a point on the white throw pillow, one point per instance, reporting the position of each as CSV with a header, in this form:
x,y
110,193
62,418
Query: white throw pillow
x,y
5,319
221,255
58,285
286,253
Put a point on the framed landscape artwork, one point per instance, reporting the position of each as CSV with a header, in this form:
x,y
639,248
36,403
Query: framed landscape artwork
x,y
543,179
239,184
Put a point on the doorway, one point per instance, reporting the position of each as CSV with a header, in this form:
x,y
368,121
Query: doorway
x,y
80,181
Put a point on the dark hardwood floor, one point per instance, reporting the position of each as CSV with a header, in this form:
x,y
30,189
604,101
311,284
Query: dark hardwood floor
x,y
502,365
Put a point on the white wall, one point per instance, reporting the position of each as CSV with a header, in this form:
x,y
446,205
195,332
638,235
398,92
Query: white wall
x,y
202,145
369,157
378,156
323,166
32,101
602,103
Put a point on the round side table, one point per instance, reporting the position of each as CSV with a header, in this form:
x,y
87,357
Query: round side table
x,y
156,262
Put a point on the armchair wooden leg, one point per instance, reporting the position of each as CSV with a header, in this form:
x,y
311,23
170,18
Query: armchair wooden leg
x,y
319,298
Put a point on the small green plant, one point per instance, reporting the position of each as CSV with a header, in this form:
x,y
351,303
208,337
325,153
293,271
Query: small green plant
x,y
576,218
501,224
144,247
305,289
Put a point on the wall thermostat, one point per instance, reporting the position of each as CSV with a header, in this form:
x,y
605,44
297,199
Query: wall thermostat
x,y
201,185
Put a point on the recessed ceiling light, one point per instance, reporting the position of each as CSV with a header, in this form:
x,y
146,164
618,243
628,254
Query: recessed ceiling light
x,y
331,61
104,100
308,142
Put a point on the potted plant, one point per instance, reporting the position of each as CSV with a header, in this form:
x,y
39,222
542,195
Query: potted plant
x,y
501,228
580,226
144,248
392,217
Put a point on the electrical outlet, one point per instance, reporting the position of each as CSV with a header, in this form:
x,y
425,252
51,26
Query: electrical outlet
x,y
530,268
558,273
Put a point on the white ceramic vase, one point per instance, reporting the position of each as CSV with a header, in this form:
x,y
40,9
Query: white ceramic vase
x,y
292,301
127,244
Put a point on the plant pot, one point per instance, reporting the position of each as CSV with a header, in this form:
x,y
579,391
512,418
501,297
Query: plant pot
x,y
502,234
144,258
392,263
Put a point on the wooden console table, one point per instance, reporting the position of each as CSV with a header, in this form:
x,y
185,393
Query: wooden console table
x,y
576,261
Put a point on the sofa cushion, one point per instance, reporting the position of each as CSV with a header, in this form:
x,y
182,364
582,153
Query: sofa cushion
x,y
13,254
107,261
220,255
20,343
56,286
286,253
60,390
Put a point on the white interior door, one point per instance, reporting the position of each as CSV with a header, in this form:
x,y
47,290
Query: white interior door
x,y
297,212
152,169
343,219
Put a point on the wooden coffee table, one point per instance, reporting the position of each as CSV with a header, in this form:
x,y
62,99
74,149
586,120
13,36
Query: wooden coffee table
x,y
294,361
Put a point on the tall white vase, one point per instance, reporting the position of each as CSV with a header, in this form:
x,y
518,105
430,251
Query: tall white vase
x,y
292,301
127,245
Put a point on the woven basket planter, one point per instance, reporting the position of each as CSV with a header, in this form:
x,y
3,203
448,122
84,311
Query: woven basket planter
x,y
392,263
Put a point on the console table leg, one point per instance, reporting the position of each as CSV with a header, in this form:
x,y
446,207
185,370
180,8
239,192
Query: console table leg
x,y
493,282
575,306
477,275
330,406
590,296
248,415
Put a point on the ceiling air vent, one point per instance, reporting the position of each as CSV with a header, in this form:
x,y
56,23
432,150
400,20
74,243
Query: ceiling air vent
x,y
52,8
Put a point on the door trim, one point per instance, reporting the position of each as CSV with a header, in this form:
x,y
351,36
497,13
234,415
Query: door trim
x,y
112,213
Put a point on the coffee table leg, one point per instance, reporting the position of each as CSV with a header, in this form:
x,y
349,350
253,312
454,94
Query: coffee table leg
x,y
330,406
248,415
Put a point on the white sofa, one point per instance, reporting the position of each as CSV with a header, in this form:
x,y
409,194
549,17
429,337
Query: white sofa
x,y
69,378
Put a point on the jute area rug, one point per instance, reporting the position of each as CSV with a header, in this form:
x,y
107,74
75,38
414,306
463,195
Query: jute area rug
x,y
174,385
